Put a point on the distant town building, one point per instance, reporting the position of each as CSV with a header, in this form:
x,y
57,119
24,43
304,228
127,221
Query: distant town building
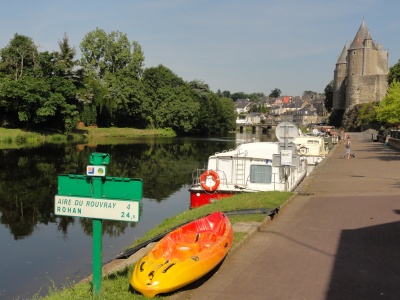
x,y
361,72
255,118
242,106
305,116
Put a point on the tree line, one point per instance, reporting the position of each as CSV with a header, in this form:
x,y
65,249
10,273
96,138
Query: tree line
x,y
108,86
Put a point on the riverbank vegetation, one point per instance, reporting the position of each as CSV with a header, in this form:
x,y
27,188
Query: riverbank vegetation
x,y
107,87
18,138
116,286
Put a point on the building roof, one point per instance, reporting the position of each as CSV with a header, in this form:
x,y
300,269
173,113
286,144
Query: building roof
x,y
362,34
242,103
343,56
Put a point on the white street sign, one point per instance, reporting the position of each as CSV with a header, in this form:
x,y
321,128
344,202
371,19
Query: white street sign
x,y
286,157
119,210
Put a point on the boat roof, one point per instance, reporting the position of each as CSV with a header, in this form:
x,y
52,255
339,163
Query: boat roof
x,y
262,150
301,139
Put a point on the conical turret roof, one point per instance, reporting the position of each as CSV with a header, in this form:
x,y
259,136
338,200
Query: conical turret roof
x,y
343,57
361,35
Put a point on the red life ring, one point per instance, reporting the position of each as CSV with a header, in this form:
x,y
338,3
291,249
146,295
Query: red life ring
x,y
214,177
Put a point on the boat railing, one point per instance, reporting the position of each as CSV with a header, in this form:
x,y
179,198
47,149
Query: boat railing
x,y
196,175
277,179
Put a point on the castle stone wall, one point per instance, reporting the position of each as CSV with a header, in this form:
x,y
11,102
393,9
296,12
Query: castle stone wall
x,y
365,89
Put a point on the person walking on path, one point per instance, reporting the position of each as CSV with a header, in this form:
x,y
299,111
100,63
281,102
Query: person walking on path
x,y
341,136
348,145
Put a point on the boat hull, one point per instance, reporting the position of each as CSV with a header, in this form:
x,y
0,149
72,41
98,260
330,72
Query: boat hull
x,y
200,198
183,256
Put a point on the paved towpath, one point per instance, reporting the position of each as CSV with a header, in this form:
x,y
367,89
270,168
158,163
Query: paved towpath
x,y
338,238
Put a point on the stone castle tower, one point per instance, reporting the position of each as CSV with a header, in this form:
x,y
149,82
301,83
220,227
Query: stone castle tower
x,y
361,72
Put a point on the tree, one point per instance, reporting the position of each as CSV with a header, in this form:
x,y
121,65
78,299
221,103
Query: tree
x,y
367,114
39,102
155,80
254,97
117,66
226,94
328,102
20,55
102,52
275,93
137,60
67,53
94,48
228,115
236,96
177,110
388,110
126,93
394,73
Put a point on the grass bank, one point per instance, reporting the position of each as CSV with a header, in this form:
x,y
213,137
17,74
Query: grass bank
x,y
114,132
116,286
18,138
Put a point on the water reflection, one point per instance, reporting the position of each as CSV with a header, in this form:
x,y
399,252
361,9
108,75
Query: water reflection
x,y
28,177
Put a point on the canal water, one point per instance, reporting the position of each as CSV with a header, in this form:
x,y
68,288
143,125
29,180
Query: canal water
x,y
40,249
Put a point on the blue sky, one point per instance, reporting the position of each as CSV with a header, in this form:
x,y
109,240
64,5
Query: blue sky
x,y
235,45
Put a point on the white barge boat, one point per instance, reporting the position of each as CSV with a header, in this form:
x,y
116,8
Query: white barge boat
x,y
251,167
312,148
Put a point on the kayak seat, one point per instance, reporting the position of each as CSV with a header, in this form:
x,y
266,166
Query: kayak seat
x,y
183,251
208,239
165,248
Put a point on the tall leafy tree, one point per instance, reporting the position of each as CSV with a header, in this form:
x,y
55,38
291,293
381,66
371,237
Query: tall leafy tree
x,y
367,114
117,66
394,73
329,96
177,109
126,90
275,93
67,53
388,110
155,80
104,53
38,97
38,101
19,56
236,96
216,115
93,48
228,115
226,94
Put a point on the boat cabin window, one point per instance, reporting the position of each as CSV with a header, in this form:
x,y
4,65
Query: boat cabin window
x,y
260,174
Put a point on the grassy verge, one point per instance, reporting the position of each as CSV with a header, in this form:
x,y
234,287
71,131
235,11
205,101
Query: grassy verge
x,y
116,286
17,138
93,132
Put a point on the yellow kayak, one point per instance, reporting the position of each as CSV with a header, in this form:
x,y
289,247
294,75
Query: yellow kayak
x,y
183,255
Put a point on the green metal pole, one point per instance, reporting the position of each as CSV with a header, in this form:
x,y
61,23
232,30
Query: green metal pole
x,y
97,241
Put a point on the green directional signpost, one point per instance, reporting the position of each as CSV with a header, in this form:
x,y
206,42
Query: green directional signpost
x,y
99,197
